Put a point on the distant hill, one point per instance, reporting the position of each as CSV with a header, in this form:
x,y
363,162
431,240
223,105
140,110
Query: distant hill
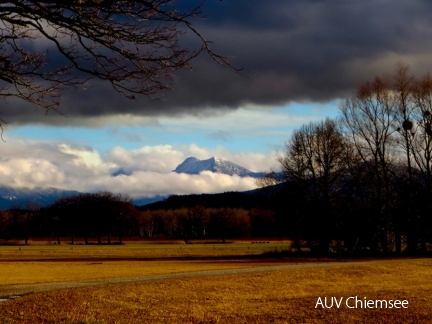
x,y
267,197
193,165
22,197
141,201
220,200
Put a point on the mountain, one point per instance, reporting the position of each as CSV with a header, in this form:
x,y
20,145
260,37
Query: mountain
x,y
193,165
22,197
218,200
268,198
142,201
121,171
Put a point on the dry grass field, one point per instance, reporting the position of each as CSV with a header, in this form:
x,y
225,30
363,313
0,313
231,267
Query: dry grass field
x,y
137,250
281,296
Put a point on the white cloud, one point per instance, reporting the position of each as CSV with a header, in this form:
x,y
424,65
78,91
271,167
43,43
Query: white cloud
x,y
160,158
165,158
18,172
152,183
65,166
82,157
247,121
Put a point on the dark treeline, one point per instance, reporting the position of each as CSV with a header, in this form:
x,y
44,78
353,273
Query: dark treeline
x,y
360,183
106,218
84,216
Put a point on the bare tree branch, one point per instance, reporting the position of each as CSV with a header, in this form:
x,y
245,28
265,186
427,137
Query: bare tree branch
x,y
49,46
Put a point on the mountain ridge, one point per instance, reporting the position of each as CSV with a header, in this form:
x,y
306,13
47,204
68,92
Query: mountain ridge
x,y
22,197
192,165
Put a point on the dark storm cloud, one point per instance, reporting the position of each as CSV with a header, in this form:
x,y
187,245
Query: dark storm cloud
x,y
289,50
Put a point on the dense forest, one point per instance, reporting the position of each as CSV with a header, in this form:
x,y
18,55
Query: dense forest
x,y
108,218
359,183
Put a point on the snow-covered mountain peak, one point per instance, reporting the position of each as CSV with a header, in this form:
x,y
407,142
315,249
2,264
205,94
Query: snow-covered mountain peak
x,y
215,164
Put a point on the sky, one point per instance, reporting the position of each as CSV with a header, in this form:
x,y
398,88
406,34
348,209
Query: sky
x,y
298,60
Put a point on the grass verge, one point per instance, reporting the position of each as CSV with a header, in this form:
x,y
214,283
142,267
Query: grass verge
x,y
287,296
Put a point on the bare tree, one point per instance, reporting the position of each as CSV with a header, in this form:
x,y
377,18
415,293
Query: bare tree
x,y
405,110
422,153
403,83
47,46
369,119
193,223
316,151
315,160
422,143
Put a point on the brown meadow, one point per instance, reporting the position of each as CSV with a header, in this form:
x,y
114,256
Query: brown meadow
x,y
281,296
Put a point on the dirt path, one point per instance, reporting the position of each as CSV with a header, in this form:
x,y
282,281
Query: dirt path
x,y
14,291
